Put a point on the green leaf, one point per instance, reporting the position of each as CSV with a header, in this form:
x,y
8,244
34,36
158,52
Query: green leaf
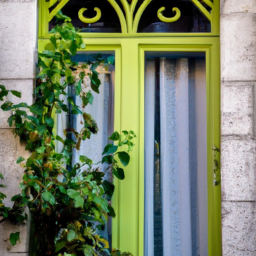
x,y
41,129
68,254
111,59
40,150
95,81
53,41
94,65
16,93
115,136
124,158
68,72
37,108
111,211
49,197
59,139
16,197
3,92
6,106
119,173
59,15
71,235
21,105
109,188
109,159
87,99
59,245
101,202
62,189
110,149
87,250
78,87
85,159
49,54
73,47
89,96
79,202
14,237
1,176
20,159
49,121
72,193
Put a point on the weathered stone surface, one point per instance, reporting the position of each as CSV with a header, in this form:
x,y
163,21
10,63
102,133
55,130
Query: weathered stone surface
x,y
5,245
17,39
235,6
6,253
238,172
238,47
26,89
17,1
239,228
237,108
10,150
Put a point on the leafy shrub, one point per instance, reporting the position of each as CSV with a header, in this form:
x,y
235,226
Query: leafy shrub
x,y
67,205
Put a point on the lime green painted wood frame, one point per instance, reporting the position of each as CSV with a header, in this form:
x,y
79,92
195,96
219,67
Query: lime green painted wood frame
x,y
129,49
128,226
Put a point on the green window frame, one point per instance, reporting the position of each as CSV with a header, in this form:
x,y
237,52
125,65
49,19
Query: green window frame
x,y
129,49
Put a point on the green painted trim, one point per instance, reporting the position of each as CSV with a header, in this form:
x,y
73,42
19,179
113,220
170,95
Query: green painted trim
x,y
128,226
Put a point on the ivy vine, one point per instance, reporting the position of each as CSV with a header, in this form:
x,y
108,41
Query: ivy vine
x,y
67,205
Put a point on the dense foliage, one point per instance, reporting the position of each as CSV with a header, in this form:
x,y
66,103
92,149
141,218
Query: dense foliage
x,y
68,203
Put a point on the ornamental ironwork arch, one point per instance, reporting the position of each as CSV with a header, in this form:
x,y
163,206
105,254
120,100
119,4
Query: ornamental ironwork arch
x,y
129,20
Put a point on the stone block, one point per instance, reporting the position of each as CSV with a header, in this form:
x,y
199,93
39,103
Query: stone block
x,y
238,6
21,247
6,253
238,47
237,108
239,228
238,169
10,150
17,39
26,89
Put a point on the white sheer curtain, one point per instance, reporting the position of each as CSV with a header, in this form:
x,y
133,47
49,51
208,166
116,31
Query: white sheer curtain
x,y
102,111
175,88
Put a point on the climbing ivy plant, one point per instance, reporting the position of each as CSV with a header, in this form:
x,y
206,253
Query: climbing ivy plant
x,y
68,203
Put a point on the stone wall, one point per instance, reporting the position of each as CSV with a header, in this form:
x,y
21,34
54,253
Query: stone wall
x,y
238,89
238,74
17,62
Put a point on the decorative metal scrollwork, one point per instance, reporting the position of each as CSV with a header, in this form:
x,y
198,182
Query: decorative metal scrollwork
x,y
60,5
203,10
89,20
165,19
129,22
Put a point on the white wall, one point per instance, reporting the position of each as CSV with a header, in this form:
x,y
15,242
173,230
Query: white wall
x,y
238,74
17,62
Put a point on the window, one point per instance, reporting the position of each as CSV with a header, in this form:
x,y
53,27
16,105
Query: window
x,y
149,53
175,155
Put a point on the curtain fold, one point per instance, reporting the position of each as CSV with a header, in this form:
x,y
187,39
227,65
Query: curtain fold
x,y
175,96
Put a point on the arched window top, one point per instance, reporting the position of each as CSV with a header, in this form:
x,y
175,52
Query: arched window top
x,y
136,17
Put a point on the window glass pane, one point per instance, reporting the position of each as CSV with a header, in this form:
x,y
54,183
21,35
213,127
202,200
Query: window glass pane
x,y
102,111
109,21
191,19
175,155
